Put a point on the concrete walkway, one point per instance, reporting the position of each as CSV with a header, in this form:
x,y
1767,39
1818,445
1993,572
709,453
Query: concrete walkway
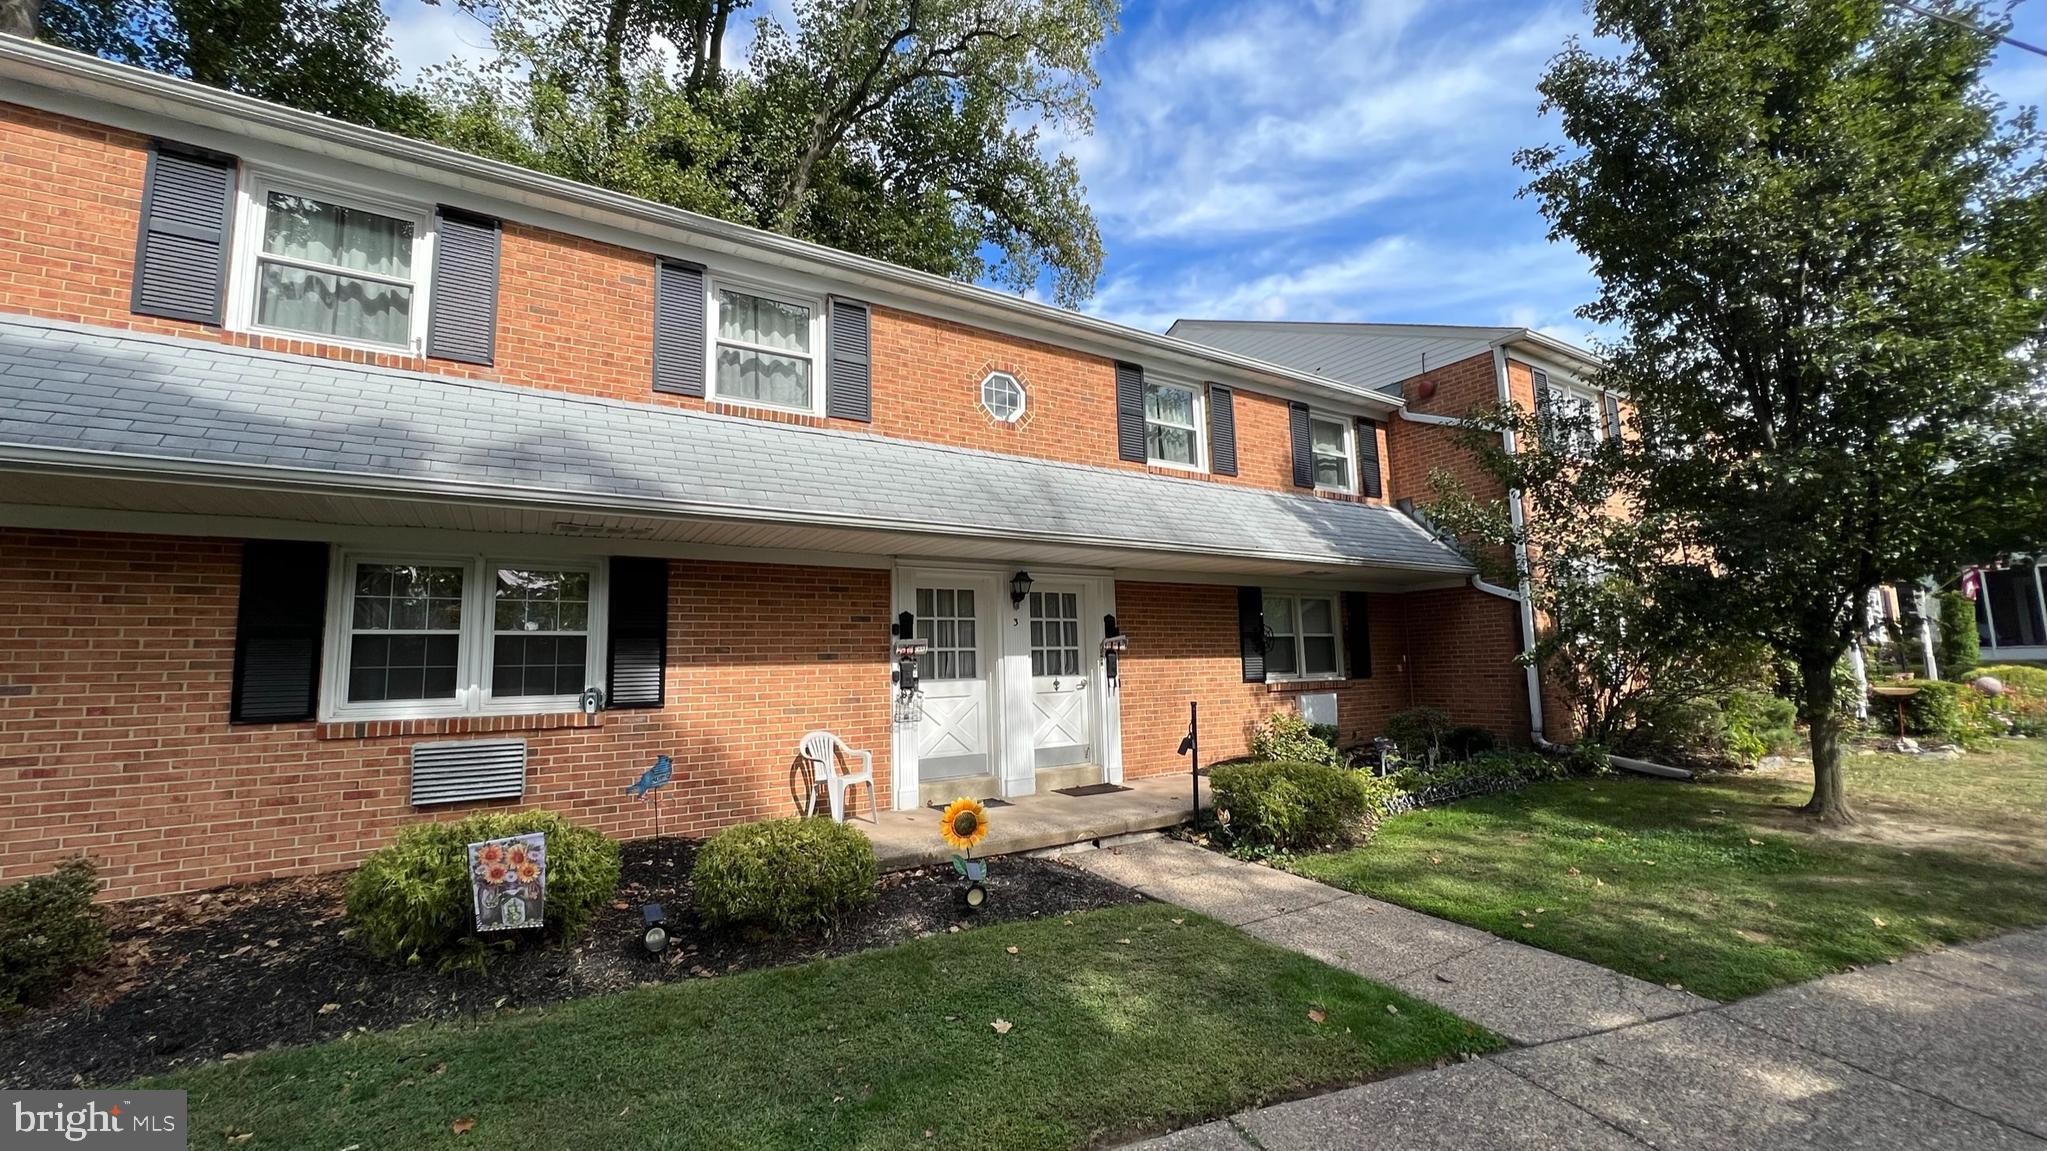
x,y
1944,1050
910,838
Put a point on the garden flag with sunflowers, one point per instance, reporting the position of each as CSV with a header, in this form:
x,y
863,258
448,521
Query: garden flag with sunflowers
x,y
510,879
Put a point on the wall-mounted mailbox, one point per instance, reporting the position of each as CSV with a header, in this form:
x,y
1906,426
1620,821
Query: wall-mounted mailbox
x,y
1114,644
908,650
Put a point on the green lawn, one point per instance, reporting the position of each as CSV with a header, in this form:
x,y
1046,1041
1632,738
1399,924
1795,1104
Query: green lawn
x,y
1122,1020
1718,886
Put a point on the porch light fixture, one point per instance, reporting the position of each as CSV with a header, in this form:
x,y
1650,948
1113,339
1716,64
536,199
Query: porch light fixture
x,y
1019,587
655,938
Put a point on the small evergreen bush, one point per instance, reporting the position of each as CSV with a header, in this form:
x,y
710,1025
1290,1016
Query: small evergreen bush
x,y
1467,741
1960,647
1285,737
1293,806
1418,732
49,928
412,899
784,876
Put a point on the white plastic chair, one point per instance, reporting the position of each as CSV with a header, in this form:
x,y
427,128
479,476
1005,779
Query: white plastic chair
x,y
822,749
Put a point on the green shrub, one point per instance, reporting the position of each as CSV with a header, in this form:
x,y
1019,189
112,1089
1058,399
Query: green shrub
x,y
1293,806
1522,766
1934,712
412,899
49,928
1753,724
1285,737
783,876
2017,678
1960,648
1418,732
1467,740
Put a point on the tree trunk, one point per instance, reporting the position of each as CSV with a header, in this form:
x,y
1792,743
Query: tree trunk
x,y
19,17
1829,803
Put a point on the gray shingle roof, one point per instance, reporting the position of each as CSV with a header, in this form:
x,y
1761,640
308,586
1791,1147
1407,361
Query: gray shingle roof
x,y
1375,356
171,404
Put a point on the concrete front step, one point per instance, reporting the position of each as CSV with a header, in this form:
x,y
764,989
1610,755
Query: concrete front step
x,y
906,839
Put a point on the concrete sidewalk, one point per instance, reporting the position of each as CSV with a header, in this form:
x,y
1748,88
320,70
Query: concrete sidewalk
x,y
1945,1050
1522,993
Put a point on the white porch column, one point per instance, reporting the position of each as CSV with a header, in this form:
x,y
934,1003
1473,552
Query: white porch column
x,y
2040,593
1926,649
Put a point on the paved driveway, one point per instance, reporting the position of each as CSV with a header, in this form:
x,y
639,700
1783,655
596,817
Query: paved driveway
x,y
1944,1050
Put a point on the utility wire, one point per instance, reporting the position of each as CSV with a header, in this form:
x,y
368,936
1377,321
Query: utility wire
x,y
1961,23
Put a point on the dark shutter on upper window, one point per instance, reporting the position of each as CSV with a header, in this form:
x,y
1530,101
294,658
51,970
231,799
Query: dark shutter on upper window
x,y
637,601
1545,409
188,202
682,335
278,627
1251,632
1368,459
849,387
1130,443
1357,635
1222,430
1613,416
462,316
1304,445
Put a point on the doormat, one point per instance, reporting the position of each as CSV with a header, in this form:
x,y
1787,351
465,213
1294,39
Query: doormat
x,y
1091,789
989,802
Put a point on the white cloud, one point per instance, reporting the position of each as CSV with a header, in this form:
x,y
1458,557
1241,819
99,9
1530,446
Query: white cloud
x,y
424,35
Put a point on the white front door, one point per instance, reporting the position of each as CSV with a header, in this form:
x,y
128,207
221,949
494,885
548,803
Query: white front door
x,y
1062,720
956,731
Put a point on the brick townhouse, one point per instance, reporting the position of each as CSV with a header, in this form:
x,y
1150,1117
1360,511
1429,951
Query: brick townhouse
x,y
347,480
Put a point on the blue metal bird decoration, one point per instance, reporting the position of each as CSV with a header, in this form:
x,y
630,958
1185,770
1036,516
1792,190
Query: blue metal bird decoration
x,y
655,776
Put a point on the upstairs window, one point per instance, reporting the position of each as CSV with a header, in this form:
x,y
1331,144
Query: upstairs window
x,y
765,350
1572,417
1172,425
1330,440
334,267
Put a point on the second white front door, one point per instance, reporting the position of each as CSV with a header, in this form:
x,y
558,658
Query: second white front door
x,y
1062,720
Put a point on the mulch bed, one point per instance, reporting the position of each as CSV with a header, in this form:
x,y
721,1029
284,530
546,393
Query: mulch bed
x,y
272,964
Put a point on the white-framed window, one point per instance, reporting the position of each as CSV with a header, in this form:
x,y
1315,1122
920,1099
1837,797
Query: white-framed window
x,y
1330,439
1575,416
417,636
767,346
1002,396
1303,636
332,265
1172,425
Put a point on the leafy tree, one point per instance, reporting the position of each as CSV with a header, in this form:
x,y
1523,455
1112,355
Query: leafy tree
x,y
908,130
1824,248
326,56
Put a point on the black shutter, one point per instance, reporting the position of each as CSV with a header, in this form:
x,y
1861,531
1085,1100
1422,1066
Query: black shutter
x,y
1613,416
638,636
277,632
1545,412
1368,459
462,317
1130,443
1357,634
681,331
1304,445
1251,632
1222,430
849,388
188,201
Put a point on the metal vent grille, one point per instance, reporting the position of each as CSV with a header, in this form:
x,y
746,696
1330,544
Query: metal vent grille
x,y
475,769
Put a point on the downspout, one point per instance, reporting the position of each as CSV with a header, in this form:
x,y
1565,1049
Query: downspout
x,y
1534,677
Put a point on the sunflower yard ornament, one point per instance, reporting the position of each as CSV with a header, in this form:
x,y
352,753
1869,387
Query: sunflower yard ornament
x,y
509,877
964,824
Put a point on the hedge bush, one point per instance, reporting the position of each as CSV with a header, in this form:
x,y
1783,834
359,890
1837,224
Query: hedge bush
x,y
1418,732
1285,737
1960,648
1935,712
783,876
412,900
1292,806
2017,678
49,928
1753,724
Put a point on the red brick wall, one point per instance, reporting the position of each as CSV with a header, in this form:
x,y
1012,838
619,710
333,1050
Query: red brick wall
x,y
115,658
1458,389
1463,647
574,315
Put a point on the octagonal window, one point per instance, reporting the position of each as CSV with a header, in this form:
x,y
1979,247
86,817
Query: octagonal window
x,y
1002,396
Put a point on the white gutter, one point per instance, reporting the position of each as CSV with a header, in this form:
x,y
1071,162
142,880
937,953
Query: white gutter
x,y
1533,676
48,68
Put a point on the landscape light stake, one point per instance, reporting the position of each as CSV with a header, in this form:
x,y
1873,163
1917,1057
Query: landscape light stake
x,y
1192,746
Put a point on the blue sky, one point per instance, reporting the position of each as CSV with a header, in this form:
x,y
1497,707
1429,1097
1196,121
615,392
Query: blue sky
x,y
1314,159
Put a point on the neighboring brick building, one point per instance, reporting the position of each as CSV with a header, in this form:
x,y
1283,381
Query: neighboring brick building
x,y
346,480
